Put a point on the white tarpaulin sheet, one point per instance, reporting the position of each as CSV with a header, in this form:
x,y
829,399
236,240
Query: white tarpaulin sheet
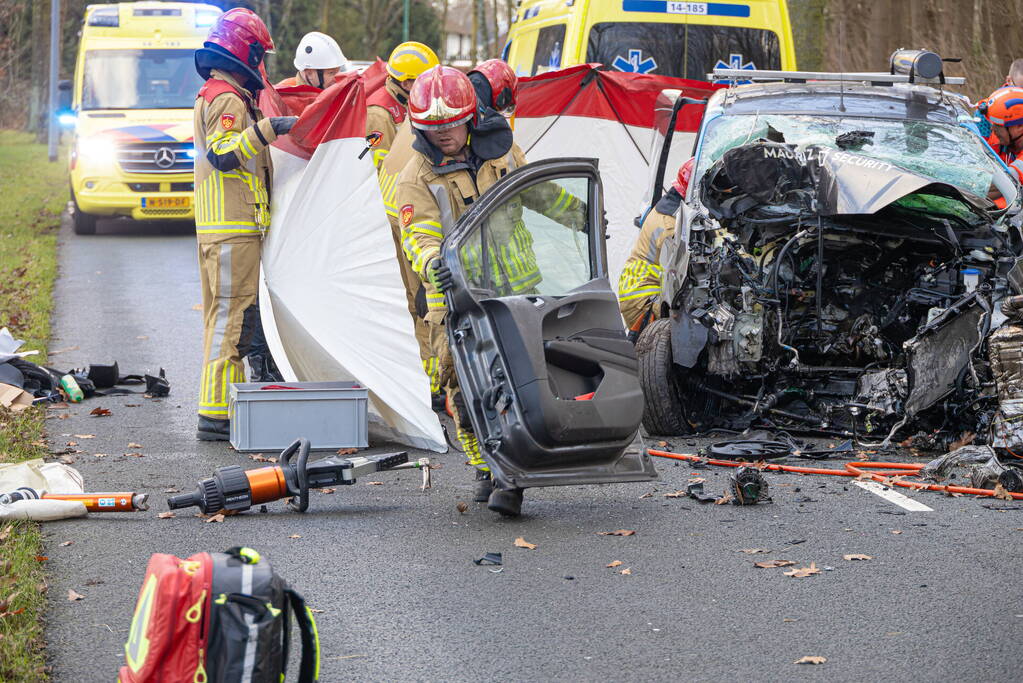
x,y
332,299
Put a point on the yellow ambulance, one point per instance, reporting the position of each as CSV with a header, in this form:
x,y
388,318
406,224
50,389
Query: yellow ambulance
x,y
662,37
134,88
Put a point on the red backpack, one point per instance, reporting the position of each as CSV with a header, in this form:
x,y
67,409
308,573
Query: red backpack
x,y
216,618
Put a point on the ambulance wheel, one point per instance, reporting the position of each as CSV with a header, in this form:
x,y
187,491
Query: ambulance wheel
x,y
663,411
83,223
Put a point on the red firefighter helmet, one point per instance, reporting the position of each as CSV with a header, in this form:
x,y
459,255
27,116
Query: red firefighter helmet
x,y
243,35
685,172
504,84
442,97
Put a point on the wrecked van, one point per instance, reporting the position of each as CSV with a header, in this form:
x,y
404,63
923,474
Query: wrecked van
x,y
836,265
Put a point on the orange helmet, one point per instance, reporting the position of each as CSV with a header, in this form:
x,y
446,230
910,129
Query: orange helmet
x,y
504,84
443,97
1004,107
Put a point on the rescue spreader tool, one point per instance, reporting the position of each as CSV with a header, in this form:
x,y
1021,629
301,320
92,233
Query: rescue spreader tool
x,y
235,489
120,501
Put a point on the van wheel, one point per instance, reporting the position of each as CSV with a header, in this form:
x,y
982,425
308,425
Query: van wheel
x,y
663,412
83,223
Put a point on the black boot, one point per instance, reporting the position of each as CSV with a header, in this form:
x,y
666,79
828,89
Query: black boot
x,y
439,402
213,430
508,502
483,488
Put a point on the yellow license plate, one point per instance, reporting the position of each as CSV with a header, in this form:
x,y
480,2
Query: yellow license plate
x,y
166,202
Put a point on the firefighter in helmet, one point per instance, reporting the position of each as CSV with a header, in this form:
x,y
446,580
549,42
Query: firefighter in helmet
x,y
386,108
318,59
232,201
449,170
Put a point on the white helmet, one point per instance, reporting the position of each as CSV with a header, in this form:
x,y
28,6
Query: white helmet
x,y
319,51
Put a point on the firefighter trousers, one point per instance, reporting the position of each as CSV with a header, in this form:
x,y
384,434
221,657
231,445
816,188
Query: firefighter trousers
x,y
449,380
229,277
413,286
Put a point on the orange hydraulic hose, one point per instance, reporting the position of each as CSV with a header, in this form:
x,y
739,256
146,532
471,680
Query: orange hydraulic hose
x,y
852,469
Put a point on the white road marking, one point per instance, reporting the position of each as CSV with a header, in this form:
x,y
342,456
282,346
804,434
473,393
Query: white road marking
x,y
893,496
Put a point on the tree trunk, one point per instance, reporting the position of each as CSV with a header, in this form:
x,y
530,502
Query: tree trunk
x,y
444,31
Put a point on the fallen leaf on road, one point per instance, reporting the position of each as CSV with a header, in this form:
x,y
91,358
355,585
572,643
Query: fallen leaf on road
x,y
327,490
649,494
258,457
67,543
135,455
676,494
142,337
219,517
803,572
374,483
626,572
72,443
754,551
811,659
86,436
857,556
612,565
64,416
295,536
41,558
896,532
347,451
172,490
315,611
99,455
461,507
1001,493
523,543
73,595
134,445
99,412
166,515
726,498
132,405
771,564
619,532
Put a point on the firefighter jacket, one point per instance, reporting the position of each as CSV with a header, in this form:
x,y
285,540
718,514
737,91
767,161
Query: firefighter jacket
x,y
233,172
434,191
640,280
385,111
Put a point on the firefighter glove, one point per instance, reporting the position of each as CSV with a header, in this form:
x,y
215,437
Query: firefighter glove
x,y
439,275
282,124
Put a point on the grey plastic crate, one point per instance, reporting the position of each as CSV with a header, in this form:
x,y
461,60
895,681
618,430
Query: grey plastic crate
x,y
331,415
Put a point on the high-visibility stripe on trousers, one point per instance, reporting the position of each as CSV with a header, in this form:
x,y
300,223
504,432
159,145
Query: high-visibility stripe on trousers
x,y
449,380
229,278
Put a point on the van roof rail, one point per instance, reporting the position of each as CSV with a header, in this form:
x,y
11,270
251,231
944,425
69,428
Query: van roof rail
x,y
874,78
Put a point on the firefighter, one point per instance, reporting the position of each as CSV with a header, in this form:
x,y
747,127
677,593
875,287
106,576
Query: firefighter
x,y
447,173
232,201
640,282
1005,354
495,84
318,59
386,108
1004,110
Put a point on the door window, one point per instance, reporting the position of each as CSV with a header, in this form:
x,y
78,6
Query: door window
x,y
550,46
535,242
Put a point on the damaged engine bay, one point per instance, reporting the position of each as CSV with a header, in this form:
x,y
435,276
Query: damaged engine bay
x,y
833,292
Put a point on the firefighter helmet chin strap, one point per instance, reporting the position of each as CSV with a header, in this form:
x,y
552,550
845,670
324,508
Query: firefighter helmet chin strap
x,y
319,77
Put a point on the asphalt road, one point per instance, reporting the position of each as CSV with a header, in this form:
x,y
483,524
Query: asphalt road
x,y
391,566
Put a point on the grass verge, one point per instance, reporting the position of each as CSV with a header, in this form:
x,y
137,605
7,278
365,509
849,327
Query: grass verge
x,y
33,192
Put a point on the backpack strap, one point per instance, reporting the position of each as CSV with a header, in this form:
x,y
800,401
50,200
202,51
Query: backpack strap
x,y
309,670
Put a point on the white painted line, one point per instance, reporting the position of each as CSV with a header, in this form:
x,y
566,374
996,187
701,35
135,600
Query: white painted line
x,y
893,496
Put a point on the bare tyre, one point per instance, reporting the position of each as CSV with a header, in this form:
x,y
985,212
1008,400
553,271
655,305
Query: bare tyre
x,y
663,412
83,223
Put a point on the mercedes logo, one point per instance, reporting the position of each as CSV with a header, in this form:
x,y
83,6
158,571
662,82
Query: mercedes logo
x,y
164,157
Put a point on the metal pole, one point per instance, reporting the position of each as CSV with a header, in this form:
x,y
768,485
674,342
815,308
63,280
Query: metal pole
x,y
404,23
53,133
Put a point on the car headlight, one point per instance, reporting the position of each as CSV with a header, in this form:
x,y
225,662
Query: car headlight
x,y
97,151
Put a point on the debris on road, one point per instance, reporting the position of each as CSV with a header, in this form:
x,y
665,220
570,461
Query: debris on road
x,y
803,572
523,543
811,659
619,532
773,564
748,486
857,556
73,595
489,558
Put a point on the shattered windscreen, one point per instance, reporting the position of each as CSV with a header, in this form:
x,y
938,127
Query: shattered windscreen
x,y
945,153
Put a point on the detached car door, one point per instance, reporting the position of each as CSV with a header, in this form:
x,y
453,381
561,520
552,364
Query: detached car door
x,y
538,343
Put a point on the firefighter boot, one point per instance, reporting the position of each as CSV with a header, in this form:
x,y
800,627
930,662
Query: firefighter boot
x,y
483,488
507,502
213,430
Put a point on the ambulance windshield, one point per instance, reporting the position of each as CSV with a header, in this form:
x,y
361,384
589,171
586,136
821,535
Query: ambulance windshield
x,y
140,79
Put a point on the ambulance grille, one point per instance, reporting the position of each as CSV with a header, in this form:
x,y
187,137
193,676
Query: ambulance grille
x,y
155,157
